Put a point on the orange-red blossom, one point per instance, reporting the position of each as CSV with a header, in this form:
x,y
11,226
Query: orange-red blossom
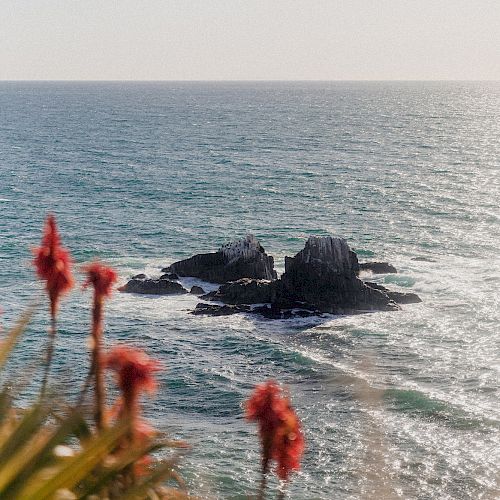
x,y
279,428
135,372
53,264
101,278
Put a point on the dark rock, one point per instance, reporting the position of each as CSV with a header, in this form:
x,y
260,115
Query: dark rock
x,y
376,286
404,297
324,275
246,291
169,276
398,297
139,277
245,258
153,287
269,312
197,290
378,267
273,312
423,259
216,310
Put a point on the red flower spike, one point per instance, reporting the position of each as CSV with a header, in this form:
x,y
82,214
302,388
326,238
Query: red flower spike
x,y
134,368
53,264
288,445
135,373
279,428
101,278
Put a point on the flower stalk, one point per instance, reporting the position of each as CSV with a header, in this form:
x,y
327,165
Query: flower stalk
x,y
101,278
53,265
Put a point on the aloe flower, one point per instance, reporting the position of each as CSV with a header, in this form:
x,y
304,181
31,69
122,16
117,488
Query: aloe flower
x,y
53,265
279,430
135,372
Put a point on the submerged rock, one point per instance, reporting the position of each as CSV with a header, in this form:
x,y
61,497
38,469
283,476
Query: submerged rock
x,y
272,312
245,258
267,311
196,290
150,286
398,297
246,291
324,275
378,267
216,310
169,276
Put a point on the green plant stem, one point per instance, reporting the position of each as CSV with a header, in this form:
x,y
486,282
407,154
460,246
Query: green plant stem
x,y
97,363
263,485
263,480
50,355
86,385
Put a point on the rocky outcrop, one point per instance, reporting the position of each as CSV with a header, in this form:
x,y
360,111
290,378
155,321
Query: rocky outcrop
x,y
247,291
150,286
169,276
215,310
267,311
321,278
245,258
398,297
378,267
324,274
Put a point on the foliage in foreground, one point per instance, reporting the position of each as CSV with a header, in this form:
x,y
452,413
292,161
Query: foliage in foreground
x,y
53,450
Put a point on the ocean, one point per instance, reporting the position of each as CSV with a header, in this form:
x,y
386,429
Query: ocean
x,y
393,404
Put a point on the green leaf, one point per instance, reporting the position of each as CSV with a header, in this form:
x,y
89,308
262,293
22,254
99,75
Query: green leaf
x,y
25,430
76,468
140,491
15,332
32,458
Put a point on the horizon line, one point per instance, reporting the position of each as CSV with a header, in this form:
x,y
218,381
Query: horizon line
x,y
240,80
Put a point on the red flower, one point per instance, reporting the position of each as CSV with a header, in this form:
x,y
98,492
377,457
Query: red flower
x,y
135,373
279,428
53,264
101,278
288,445
135,369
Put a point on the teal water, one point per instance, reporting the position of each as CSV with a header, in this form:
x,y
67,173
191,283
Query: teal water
x,y
394,405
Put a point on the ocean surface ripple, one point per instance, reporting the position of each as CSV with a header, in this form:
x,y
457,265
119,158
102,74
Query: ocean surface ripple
x,y
394,405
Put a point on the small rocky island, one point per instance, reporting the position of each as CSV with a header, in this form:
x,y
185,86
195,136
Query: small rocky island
x,y
321,278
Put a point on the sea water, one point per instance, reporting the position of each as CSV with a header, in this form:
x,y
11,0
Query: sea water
x,y
393,404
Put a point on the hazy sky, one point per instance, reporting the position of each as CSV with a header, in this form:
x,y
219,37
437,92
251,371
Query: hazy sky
x,y
249,39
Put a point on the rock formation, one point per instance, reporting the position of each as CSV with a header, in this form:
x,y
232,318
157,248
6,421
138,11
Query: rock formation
x,y
324,274
378,267
398,297
149,286
240,259
215,310
321,278
246,291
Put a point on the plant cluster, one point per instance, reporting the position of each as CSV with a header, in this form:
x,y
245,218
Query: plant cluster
x,y
56,450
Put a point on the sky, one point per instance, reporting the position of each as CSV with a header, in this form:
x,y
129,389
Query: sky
x,y
250,40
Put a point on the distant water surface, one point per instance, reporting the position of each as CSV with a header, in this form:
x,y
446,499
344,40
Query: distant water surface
x,y
394,405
